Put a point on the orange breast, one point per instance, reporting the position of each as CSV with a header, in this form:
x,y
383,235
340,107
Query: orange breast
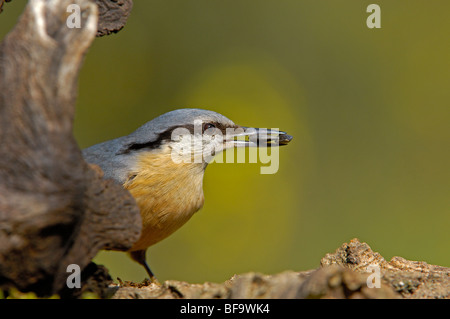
x,y
167,193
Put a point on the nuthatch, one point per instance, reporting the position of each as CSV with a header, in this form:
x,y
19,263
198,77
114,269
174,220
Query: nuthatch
x,y
166,182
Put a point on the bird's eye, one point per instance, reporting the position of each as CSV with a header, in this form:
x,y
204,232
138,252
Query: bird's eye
x,y
208,126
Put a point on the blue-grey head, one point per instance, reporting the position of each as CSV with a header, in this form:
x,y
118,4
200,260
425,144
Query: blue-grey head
x,y
194,135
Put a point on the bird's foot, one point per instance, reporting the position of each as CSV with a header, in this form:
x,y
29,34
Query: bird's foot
x,y
151,280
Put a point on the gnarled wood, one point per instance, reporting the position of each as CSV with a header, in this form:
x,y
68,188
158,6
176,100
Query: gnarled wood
x,y
55,210
113,14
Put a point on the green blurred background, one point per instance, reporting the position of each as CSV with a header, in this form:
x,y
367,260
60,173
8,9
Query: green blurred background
x,y
369,110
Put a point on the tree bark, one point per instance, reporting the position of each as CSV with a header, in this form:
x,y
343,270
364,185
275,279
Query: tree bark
x,y
113,15
55,210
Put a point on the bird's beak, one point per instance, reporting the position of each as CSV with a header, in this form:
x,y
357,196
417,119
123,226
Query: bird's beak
x,y
257,137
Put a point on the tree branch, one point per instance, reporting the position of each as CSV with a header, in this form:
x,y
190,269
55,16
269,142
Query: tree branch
x,y
113,15
55,210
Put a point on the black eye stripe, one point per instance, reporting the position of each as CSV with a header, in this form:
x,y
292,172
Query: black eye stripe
x,y
167,136
164,136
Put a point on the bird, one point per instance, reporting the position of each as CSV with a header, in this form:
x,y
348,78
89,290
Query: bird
x,y
162,164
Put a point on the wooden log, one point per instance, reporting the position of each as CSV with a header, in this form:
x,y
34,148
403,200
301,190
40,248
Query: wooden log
x,y
55,210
